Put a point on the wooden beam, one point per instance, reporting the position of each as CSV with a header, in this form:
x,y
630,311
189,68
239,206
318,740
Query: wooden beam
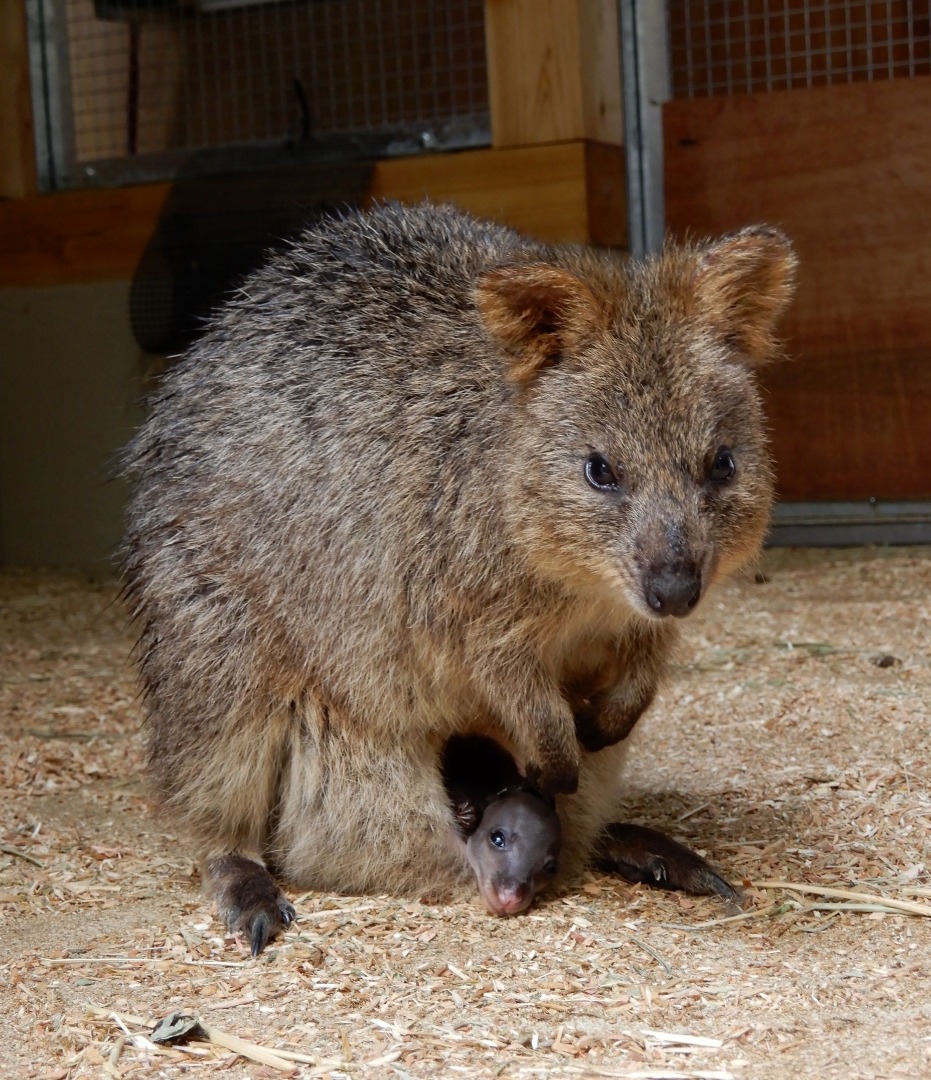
x,y
553,71
570,192
845,171
17,155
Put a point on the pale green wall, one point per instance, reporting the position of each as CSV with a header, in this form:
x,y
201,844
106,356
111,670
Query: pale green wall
x,y
70,383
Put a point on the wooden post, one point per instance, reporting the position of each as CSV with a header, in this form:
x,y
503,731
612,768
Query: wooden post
x,y
17,150
553,71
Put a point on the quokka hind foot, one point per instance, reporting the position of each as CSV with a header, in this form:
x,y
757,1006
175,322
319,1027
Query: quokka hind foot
x,y
248,899
639,854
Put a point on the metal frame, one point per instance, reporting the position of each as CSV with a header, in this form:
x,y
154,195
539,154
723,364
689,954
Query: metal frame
x,y
50,78
646,84
847,524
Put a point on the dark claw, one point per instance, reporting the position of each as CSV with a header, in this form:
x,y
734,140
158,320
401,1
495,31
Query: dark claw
x,y
248,899
639,854
286,911
261,932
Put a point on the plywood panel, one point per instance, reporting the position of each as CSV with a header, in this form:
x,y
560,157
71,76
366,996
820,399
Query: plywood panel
x,y
546,191
846,171
851,425
70,384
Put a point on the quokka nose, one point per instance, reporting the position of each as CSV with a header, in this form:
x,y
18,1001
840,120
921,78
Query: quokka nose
x,y
673,589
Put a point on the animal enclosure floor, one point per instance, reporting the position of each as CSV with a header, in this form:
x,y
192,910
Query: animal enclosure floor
x,y
791,745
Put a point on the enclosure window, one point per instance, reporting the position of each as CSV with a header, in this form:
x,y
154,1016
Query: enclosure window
x,y
743,46
134,87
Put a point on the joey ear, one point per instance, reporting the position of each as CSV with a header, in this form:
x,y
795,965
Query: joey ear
x,y
743,284
538,313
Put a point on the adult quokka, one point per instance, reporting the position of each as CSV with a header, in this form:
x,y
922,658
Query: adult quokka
x,y
423,477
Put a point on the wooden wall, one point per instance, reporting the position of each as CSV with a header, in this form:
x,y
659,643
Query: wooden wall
x,y
846,171
565,192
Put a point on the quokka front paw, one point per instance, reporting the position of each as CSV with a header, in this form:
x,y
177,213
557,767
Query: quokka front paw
x,y
556,777
603,722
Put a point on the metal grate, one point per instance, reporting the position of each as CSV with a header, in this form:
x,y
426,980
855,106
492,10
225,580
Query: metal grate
x,y
152,81
744,46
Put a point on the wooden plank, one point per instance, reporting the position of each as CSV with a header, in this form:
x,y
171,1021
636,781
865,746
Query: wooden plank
x,y
17,156
569,192
845,171
540,190
553,71
600,71
95,235
606,189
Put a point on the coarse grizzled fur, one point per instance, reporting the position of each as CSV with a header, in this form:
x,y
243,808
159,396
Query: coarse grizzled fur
x,y
421,477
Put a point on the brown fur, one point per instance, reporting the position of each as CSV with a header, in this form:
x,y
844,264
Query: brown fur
x,y
361,525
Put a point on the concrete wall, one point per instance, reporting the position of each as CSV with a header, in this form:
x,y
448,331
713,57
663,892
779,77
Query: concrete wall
x,y
70,384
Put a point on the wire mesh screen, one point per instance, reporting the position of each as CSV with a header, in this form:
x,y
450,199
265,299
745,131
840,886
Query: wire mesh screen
x,y
744,46
154,78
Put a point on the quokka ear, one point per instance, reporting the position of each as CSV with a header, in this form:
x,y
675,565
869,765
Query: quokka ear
x,y
538,313
743,284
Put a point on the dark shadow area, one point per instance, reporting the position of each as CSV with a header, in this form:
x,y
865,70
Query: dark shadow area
x,y
217,227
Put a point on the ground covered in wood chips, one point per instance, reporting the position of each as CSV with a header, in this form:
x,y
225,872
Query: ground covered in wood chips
x,y
792,745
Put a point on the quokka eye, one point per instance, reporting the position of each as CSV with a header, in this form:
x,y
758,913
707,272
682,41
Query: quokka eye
x,y
601,474
723,467
497,837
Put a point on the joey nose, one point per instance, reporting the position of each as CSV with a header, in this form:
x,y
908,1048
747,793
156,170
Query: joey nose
x,y
673,589
512,898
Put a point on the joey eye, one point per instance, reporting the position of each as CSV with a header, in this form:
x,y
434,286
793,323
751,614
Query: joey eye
x,y
723,467
550,868
497,837
600,473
